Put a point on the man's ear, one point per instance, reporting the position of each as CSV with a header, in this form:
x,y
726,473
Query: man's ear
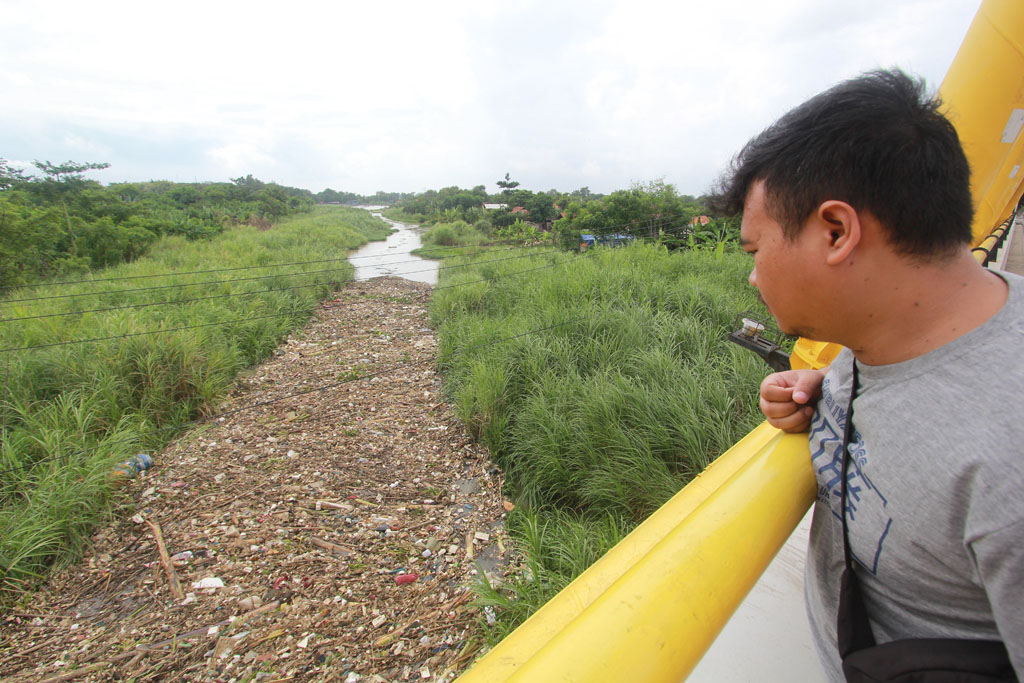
x,y
842,227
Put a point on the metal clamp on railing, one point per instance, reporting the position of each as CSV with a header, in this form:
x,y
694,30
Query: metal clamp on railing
x,y
761,337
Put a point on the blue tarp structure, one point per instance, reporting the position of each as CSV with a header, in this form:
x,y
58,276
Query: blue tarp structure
x,y
610,240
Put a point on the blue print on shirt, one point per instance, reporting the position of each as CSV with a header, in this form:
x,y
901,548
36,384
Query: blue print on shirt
x,y
826,439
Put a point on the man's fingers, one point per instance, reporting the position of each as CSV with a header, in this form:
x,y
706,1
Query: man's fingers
x,y
776,393
798,421
778,409
807,387
801,386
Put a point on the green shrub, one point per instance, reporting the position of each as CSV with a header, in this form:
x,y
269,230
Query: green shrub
x,y
443,235
613,387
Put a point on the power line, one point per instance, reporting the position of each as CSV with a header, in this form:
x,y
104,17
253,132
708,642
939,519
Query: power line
x,y
157,303
194,423
148,332
222,296
333,385
216,282
513,242
262,317
183,284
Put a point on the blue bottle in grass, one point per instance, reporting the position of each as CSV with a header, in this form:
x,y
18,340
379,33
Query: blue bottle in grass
x,y
132,466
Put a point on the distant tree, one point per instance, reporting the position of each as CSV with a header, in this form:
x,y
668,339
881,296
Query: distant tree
x,y
654,210
10,176
507,185
69,171
64,181
248,181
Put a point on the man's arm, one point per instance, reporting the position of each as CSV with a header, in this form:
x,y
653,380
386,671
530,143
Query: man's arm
x,y
788,398
1000,560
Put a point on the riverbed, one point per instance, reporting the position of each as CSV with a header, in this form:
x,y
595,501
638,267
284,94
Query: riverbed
x,y
393,257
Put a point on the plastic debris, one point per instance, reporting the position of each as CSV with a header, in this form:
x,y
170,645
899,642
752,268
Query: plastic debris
x,y
131,467
405,578
182,559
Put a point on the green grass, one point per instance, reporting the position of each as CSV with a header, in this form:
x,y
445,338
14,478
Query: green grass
x,y
396,213
598,419
447,240
69,413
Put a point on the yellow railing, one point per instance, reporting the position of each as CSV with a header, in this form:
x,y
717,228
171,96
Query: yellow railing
x,y
986,249
650,608
984,100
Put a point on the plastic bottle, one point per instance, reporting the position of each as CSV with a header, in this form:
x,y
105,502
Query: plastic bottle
x,y
132,466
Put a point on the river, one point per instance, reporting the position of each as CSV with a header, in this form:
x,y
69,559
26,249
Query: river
x,y
392,257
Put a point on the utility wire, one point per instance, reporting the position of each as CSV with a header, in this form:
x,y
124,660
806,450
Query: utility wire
x,y
194,423
617,227
259,404
220,282
141,334
222,296
428,249
277,315
261,317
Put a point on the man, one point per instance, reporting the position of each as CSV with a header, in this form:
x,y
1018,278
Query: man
x,y
857,211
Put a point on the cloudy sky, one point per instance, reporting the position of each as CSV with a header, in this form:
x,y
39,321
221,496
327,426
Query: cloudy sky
x,y
408,96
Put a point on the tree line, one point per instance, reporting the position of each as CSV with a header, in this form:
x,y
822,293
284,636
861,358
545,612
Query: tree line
x,y
58,222
651,210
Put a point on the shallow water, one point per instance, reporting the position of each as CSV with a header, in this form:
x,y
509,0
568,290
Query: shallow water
x,y
392,257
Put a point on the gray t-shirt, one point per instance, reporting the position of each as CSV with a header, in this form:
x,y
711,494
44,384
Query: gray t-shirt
x,y
935,491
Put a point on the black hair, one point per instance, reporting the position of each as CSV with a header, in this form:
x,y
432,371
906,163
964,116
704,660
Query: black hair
x,y
877,142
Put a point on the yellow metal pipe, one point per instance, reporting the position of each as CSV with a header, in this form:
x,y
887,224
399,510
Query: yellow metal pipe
x,y
985,101
565,613
655,623
1001,198
982,251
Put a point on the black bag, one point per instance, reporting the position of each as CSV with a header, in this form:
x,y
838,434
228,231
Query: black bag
x,y
913,660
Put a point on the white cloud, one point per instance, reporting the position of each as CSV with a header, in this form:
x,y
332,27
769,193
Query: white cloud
x,y
412,95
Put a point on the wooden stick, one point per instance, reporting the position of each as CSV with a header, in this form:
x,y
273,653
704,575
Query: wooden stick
x,y
135,653
165,560
76,673
327,545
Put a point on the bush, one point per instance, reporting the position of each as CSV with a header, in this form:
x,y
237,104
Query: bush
x,y
623,391
443,235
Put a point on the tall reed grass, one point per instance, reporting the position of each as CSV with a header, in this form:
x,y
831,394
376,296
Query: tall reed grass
x,y
629,390
69,413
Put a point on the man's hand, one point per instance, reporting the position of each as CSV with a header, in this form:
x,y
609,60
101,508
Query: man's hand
x,y
788,398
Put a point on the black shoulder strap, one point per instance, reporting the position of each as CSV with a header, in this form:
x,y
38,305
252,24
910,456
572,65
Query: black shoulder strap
x,y
847,438
852,625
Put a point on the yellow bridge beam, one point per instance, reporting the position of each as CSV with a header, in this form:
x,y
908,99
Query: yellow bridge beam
x,y
650,608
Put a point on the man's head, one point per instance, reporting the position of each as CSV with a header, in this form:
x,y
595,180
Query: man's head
x,y
877,143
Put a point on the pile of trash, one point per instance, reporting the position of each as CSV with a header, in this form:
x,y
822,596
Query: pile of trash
x,y
330,529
